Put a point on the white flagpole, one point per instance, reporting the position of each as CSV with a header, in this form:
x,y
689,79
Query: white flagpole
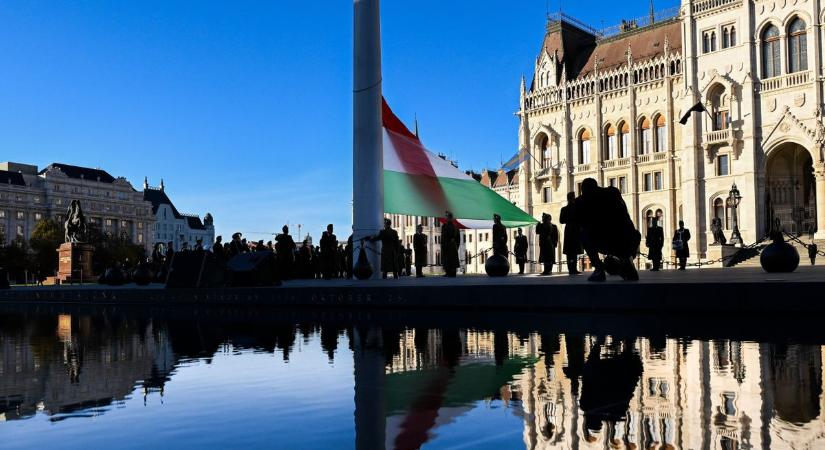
x,y
367,149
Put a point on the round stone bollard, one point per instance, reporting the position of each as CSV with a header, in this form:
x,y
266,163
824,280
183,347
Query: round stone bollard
x,y
779,257
142,276
362,268
497,266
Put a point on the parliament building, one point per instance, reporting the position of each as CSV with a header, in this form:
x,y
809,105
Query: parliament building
x,y
607,104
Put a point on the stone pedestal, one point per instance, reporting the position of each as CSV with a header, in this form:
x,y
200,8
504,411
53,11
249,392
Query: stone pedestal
x,y
721,251
75,263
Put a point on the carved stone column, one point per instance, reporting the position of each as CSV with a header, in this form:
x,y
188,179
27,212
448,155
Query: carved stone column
x,y
819,175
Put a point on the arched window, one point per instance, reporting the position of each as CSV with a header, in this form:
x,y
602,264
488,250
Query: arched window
x,y
719,210
797,46
544,151
660,215
725,38
706,43
648,220
612,142
646,144
770,52
584,147
732,36
661,134
713,41
624,147
719,109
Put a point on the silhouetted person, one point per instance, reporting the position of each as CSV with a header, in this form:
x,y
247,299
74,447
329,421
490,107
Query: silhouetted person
x,y
449,246
184,247
389,249
304,262
157,256
420,249
548,235
348,258
608,385
237,246
399,258
812,249
285,251
499,237
655,241
198,245
217,250
606,228
329,251
572,246
260,246
408,253
520,250
680,244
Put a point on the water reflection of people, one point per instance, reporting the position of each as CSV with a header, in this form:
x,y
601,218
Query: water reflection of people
x,y
607,385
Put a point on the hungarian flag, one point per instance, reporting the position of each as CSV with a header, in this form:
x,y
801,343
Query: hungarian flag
x,y
419,183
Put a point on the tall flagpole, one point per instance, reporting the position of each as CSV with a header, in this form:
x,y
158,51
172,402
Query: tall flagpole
x,y
367,133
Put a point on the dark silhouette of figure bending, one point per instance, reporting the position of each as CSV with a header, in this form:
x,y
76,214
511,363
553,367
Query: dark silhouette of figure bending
x,y
606,229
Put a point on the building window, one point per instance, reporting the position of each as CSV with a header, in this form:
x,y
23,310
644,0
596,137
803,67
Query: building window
x,y
611,182
544,149
719,108
38,217
661,134
108,222
657,181
770,52
612,142
623,185
647,137
708,41
21,215
584,147
20,231
546,195
624,150
722,165
728,36
647,182
2,214
797,46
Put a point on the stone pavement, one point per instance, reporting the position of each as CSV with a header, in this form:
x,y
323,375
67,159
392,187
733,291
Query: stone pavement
x,y
740,290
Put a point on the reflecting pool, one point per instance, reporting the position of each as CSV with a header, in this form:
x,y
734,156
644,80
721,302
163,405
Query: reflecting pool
x,y
239,378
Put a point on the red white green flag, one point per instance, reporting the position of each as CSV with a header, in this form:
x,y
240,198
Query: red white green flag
x,y
418,182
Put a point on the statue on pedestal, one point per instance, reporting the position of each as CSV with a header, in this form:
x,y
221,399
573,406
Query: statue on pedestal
x,y
75,224
718,235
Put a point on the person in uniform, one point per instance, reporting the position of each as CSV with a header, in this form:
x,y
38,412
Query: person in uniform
x,y
548,235
520,249
285,251
389,249
449,246
499,237
408,260
572,246
606,228
348,250
680,244
655,241
420,249
329,251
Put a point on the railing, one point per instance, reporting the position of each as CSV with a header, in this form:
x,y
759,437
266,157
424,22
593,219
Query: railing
x,y
708,5
660,156
639,22
717,137
644,158
616,163
785,81
584,168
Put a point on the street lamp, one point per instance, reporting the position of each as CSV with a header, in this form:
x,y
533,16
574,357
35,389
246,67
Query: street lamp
x,y
734,198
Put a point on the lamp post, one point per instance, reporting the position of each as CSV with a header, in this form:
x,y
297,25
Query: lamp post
x,y
734,198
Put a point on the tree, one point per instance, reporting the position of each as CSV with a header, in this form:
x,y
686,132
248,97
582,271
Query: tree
x,y
46,238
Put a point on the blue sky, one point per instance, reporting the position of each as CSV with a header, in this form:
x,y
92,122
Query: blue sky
x,y
244,107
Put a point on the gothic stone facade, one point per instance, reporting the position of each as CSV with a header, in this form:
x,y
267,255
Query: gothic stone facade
x,y
609,108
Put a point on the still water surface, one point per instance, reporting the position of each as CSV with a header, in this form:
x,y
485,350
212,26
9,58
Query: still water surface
x,y
269,379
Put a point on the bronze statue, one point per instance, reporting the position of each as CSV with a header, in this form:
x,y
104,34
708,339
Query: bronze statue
x,y
75,224
718,235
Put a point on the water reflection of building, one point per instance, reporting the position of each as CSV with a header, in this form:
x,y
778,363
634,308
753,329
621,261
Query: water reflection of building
x,y
83,364
716,395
